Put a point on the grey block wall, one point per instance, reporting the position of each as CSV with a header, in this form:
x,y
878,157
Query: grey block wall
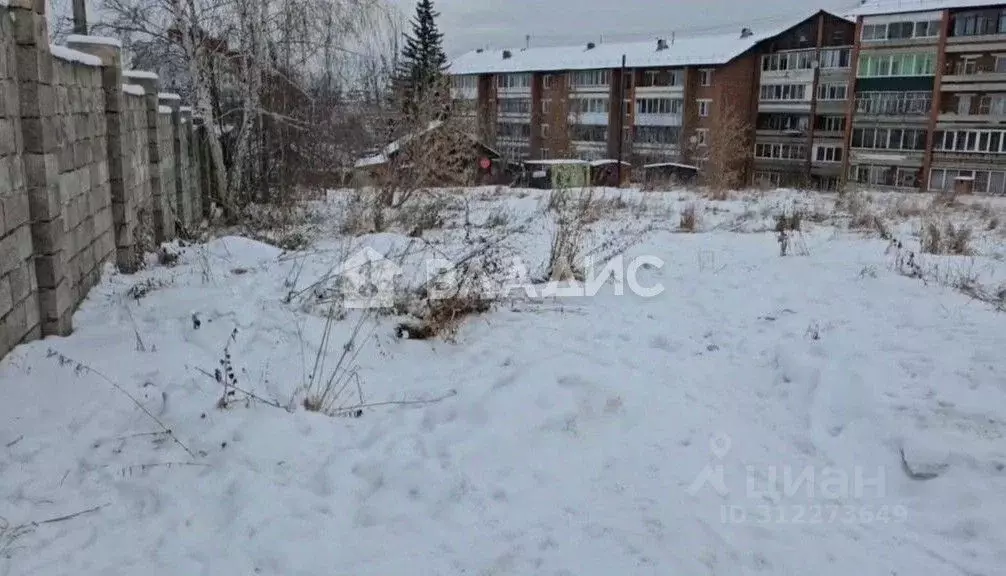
x,y
89,172
19,310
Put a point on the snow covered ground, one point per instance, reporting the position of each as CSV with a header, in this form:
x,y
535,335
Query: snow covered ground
x,y
750,419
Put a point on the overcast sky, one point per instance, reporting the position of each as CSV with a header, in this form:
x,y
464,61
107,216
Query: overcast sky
x,y
470,24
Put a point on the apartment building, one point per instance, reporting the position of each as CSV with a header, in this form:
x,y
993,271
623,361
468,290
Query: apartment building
x,y
930,96
802,102
652,102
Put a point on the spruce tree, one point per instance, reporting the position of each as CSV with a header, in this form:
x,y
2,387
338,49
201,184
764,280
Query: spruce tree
x,y
421,67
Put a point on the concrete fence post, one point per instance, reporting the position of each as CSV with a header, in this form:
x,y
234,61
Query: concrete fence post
x,y
19,307
39,130
191,153
180,199
124,200
164,222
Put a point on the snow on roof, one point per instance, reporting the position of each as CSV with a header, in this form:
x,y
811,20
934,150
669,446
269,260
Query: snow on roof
x,y
100,40
687,51
168,96
134,89
557,162
394,147
608,161
71,55
876,7
668,164
141,74
185,108
164,109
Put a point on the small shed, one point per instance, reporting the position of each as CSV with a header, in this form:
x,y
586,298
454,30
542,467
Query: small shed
x,y
450,162
670,173
606,173
551,174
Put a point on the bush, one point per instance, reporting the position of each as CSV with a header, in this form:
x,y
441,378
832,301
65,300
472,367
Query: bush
x,y
945,239
689,221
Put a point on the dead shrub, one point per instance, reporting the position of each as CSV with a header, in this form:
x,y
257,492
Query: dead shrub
x,y
946,238
443,317
689,220
428,213
499,218
788,223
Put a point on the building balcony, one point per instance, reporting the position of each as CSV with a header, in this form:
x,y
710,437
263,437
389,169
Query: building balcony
x,y
676,90
590,118
800,106
957,118
657,120
886,157
969,158
967,43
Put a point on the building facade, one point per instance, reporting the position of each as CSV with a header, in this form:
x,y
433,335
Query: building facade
x,y
930,96
901,94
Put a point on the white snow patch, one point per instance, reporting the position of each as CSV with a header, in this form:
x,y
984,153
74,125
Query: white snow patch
x,y
186,109
71,55
99,40
140,74
164,109
168,96
578,431
134,89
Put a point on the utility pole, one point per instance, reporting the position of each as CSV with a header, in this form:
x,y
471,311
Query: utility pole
x,y
79,17
621,117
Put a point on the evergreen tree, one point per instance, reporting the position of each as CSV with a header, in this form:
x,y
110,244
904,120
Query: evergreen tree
x,y
422,64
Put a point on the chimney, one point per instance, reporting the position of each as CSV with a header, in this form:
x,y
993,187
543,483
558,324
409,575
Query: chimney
x,y
746,32
590,45
661,44
507,54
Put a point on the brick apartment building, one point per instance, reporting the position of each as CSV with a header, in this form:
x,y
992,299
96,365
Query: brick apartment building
x,y
674,91
901,94
930,96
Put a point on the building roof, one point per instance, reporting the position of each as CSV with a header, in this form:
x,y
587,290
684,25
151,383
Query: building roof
x,y
877,7
687,51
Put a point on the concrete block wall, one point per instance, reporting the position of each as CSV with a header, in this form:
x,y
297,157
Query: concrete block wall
x,y
84,187
88,171
19,310
166,171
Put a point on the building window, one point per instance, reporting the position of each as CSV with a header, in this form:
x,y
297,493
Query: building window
x,y
781,151
589,133
800,60
514,105
591,78
991,182
889,138
831,123
980,141
658,106
546,81
513,130
465,82
894,103
701,136
784,92
706,77
832,92
513,81
657,134
890,65
893,176
705,106
824,153
591,105
832,58
979,23
783,122
904,30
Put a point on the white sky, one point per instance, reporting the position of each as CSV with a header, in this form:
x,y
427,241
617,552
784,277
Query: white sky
x,y
470,24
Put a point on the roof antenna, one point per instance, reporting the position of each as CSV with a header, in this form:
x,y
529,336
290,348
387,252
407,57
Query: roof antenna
x,y
672,38
527,41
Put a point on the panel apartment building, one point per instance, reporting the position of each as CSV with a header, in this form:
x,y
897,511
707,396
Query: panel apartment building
x,y
788,85
930,96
